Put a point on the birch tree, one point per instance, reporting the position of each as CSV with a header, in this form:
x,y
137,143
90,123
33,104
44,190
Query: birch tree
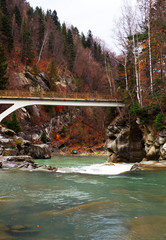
x,y
145,8
42,47
127,37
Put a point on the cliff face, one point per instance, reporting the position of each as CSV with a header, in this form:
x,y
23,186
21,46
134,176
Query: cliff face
x,y
133,142
66,128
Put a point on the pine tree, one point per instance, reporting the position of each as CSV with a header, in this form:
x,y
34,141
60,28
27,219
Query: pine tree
x,y
53,75
64,31
6,26
43,137
3,69
41,29
83,40
56,20
89,39
51,39
14,123
17,16
27,45
70,51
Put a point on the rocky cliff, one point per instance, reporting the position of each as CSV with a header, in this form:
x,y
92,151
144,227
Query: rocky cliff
x,y
134,142
15,152
13,145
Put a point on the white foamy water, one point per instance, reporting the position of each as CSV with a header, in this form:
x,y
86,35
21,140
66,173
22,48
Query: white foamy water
x,y
98,169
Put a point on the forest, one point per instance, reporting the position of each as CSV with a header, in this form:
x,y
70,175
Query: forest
x,y
33,41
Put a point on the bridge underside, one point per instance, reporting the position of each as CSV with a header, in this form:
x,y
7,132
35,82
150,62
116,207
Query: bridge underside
x,y
20,103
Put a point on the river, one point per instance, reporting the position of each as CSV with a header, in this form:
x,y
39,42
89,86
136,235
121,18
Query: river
x,y
85,200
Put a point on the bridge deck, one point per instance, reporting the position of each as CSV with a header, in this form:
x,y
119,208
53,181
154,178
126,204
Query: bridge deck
x,y
54,95
20,99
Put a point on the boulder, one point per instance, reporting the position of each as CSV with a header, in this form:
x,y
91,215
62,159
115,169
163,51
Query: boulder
x,y
39,151
45,78
125,143
6,142
7,131
54,149
23,162
153,153
132,142
163,152
16,161
163,133
10,152
22,158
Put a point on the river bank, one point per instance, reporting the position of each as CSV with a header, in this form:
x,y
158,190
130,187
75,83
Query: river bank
x,y
128,144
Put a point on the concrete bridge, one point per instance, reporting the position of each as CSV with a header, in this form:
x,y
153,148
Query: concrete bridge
x,y
20,99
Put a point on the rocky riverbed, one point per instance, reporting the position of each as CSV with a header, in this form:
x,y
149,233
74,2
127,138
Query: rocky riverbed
x,y
23,162
15,152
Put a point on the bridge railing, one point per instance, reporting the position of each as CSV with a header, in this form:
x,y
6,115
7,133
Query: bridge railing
x,y
55,95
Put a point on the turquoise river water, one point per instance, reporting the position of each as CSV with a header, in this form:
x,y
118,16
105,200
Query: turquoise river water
x,y
85,200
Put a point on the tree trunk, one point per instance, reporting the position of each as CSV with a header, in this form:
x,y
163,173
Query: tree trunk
x,y
150,58
126,77
42,47
136,72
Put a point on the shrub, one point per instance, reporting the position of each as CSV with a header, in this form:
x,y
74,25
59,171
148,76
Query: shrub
x,y
63,131
44,137
137,111
14,123
159,121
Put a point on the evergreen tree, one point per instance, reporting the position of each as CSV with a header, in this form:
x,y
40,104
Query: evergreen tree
x,y
51,39
53,75
17,15
89,39
43,137
3,69
14,123
56,20
83,40
64,31
41,29
76,31
6,26
70,51
3,5
30,12
27,45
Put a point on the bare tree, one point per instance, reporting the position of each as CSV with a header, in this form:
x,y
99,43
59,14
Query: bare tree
x,y
42,47
145,7
127,29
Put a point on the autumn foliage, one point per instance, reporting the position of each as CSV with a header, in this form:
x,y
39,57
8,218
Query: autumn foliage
x,y
35,41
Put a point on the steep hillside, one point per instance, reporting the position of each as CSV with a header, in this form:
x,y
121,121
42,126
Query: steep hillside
x,y
38,53
44,55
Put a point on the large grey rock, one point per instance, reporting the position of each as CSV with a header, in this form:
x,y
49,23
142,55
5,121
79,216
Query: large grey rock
x,y
10,152
6,142
163,152
163,133
23,162
133,142
40,151
7,131
45,78
42,83
127,144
